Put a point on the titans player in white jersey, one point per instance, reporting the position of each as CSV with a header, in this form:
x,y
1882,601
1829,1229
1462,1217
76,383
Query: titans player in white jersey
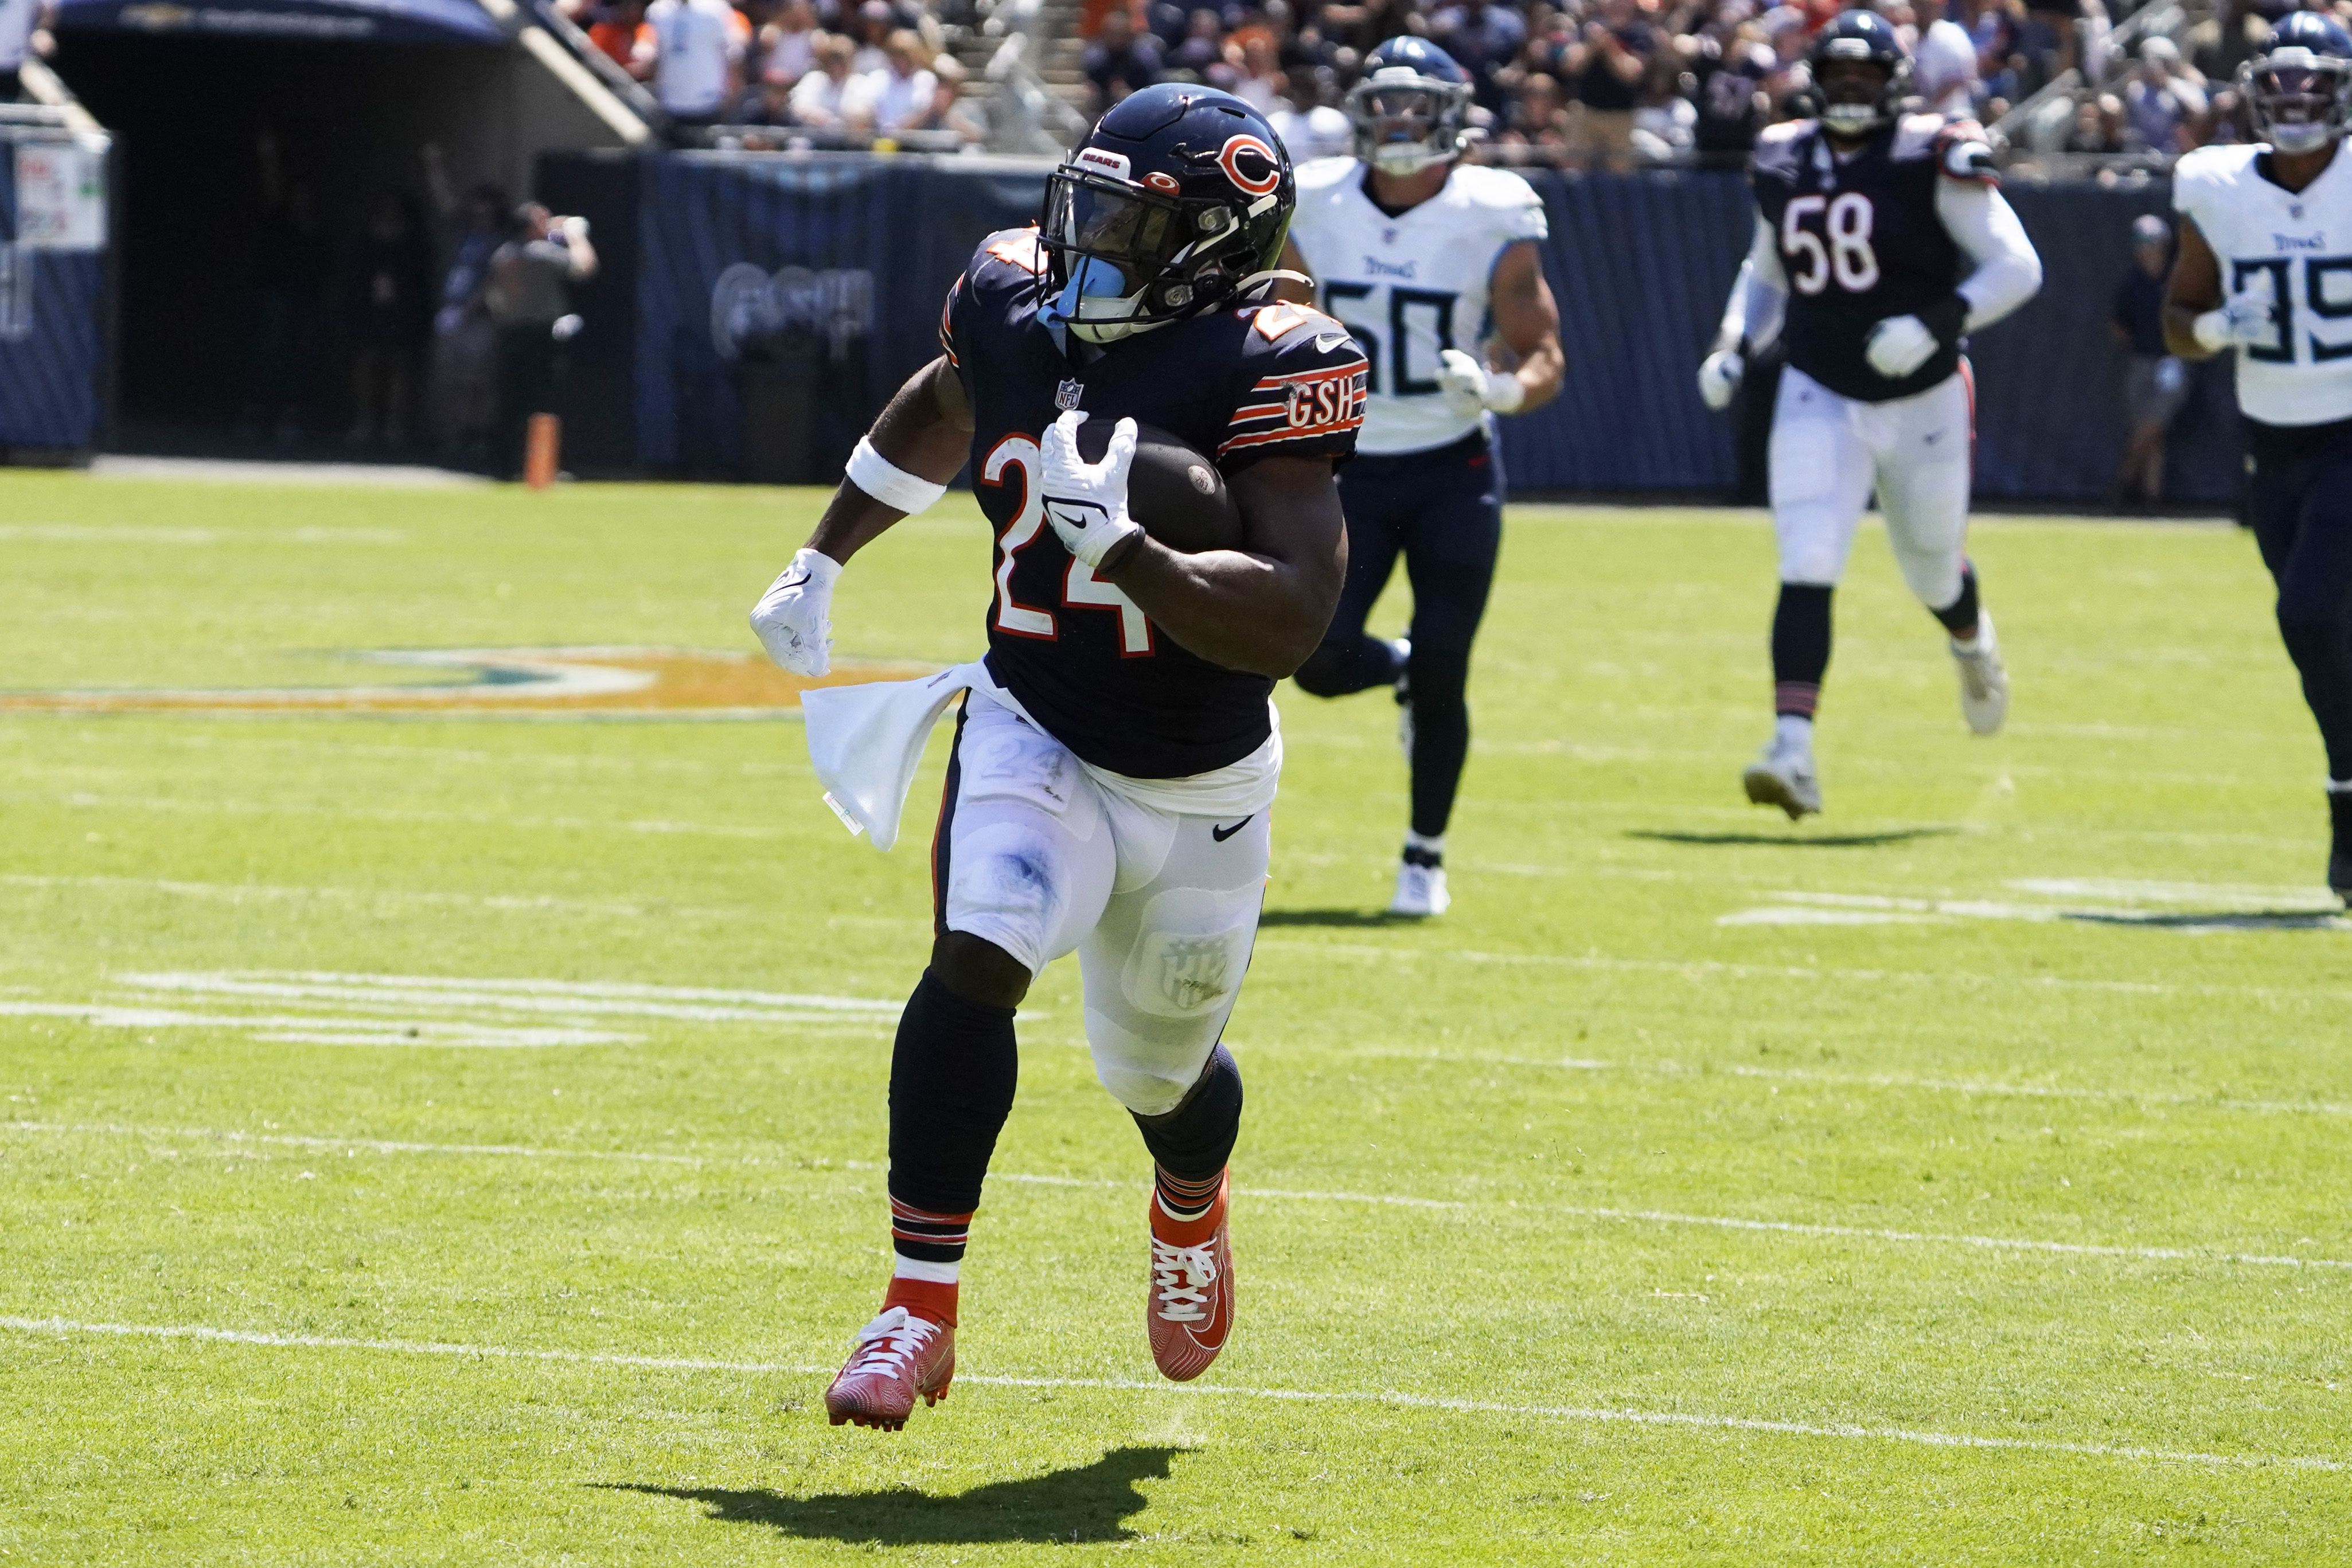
x,y
2265,271
1866,219
1425,259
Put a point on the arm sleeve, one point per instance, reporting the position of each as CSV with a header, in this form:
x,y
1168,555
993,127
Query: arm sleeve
x,y
2008,273
1759,295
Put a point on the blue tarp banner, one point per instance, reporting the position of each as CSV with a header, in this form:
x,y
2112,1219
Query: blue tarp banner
x,y
343,21
850,257
52,335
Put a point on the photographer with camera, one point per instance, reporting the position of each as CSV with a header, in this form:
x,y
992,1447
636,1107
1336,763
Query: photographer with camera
x,y
528,299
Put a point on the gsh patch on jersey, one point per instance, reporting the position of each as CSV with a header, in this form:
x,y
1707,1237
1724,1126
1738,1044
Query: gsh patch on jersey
x,y
1861,241
1245,384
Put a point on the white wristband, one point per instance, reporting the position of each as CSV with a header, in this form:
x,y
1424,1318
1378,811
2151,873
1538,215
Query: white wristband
x,y
1505,392
891,485
2211,331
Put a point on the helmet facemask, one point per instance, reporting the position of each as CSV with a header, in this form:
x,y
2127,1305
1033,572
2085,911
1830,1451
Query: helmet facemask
x,y
2301,99
1122,259
1406,122
1858,91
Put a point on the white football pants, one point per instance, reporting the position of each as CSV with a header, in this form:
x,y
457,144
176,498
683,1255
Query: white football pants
x,y
1830,452
1037,857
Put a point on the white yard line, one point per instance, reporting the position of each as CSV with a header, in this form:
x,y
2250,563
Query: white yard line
x,y
313,1028
519,995
1395,1400
250,893
1535,1207
1897,1080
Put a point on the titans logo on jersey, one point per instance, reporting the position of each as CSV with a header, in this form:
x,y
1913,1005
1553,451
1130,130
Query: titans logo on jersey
x,y
1242,384
1859,240
2293,247
1411,286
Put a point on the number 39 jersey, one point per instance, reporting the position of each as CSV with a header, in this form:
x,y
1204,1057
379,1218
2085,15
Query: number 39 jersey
x,y
2297,247
1412,285
1859,240
1238,384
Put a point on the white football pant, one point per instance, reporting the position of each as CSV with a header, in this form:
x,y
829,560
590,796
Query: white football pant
x,y
1829,453
1161,909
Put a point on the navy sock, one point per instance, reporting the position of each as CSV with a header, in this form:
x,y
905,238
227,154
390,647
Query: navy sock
x,y
952,1073
1800,647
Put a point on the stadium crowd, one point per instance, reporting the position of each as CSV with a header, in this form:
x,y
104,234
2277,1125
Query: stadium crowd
x,y
1603,82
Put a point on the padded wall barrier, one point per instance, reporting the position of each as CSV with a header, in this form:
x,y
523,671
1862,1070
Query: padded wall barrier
x,y
54,303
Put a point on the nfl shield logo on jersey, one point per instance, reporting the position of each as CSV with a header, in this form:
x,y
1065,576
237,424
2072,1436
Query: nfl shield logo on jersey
x,y
1066,397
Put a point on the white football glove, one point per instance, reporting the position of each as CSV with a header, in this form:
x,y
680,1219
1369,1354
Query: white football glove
x,y
1719,378
2244,319
1086,503
1468,386
794,619
1899,345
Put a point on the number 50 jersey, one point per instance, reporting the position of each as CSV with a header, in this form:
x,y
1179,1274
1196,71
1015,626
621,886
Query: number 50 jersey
x,y
1238,384
1411,286
1861,241
2269,238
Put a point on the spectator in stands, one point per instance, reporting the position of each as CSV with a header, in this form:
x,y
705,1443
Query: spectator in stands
x,y
833,96
461,380
1665,122
788,44
1257,68
2097,129
23,33
1608,62
1201,51
698,59
871,32
2162,104
1306,121
1732,102
949,112
2155,384
1363,27
389,306
1118,61
1482,38
904,93
620,33
1944,66
529,292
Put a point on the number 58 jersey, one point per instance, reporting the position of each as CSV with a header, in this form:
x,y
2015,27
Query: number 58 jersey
x,y
1412,285
2296,248
1861,241
1239,385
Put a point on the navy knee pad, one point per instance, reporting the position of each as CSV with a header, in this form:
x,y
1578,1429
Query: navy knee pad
x,y
1193,1142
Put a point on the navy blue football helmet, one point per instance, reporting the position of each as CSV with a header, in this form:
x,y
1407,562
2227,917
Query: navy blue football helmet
x,y
2298,90
1411,107
1852,105
1177,203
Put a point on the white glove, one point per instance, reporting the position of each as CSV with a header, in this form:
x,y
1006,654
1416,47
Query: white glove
x,y
1899,345
1468,386
575,229
794,619
1086,503
2244,318
1719,378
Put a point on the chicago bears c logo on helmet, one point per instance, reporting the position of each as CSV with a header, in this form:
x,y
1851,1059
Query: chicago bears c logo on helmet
x,y
1250,165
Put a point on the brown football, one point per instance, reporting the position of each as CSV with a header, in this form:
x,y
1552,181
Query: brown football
x,y
1174,492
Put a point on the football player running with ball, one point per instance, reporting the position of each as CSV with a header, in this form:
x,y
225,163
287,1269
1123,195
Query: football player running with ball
x,y
2265,270
1867,218
1116,758
1417,253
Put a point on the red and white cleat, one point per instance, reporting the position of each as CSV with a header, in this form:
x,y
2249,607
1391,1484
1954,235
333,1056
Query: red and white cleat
x,y
1190,1311
898,1356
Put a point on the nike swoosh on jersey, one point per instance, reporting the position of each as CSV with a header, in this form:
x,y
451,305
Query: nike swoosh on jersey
x,y
1222,833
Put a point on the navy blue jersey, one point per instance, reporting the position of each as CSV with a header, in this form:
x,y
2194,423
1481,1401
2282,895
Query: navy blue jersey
x,y
1237,384
1861,241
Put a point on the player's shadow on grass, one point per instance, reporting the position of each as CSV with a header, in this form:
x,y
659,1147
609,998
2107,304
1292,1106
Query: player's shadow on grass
x,y
2224,920
1085,1502
1336,918
1793,840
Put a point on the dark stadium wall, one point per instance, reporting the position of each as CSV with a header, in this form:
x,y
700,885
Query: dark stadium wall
x,y
781,298
351,120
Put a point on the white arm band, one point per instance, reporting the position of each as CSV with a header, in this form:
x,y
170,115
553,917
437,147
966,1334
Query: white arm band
x,y
891,485
1758,295
1986,228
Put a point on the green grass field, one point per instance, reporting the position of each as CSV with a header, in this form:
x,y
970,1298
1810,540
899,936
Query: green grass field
x,y
1960,1178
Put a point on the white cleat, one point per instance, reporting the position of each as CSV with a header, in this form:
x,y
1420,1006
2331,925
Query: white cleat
x,y
1420,891
1783,775
1984,684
